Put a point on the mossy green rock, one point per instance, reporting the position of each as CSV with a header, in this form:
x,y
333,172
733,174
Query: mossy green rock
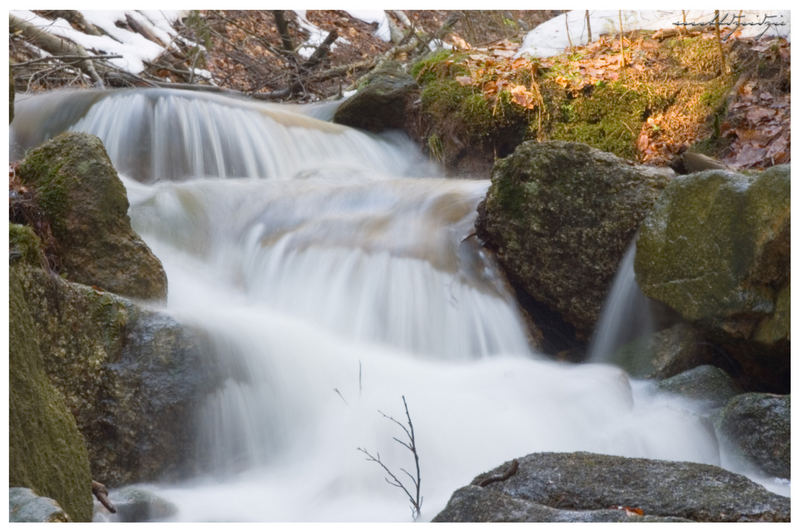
x,y
87,207
560,216
380,104
716,248
132,377
46,451
584,486
757,427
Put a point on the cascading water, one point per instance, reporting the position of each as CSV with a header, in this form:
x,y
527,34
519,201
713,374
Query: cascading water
x,y
625,315
334,279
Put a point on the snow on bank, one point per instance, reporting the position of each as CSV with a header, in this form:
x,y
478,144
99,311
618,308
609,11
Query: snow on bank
x,y
315,35
377,17
550,38
133,47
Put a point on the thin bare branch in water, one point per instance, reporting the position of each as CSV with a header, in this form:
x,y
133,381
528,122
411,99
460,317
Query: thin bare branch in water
x,y
414,498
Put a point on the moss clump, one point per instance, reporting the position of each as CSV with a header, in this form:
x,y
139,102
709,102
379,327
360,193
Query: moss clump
x,y
46,451
609,117
466,119
84,203
24,245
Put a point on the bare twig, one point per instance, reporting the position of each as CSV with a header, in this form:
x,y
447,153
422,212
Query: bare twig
x,y
414,498
723,62
588,26
621,43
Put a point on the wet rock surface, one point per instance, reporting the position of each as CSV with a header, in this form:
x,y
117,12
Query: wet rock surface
x,y
757,428
715,249
578,487
560,216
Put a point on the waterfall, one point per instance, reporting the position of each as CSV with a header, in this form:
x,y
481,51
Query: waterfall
x,y
335,272
625,315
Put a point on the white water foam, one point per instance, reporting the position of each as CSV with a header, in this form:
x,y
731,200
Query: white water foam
x,y
334,285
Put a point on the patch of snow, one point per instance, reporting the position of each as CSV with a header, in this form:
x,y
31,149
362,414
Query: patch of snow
x,y
315,35
550,38
371,17
438,44
134,48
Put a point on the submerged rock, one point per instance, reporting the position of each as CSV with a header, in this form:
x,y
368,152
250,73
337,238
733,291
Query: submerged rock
x,y
381,103
86,206
756,427
706,383
25,506
560,216
715,249
663,354
46,451
136,504
587,487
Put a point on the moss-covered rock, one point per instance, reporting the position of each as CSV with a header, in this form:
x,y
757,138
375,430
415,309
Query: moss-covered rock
x,y
132,377
86,206
560,216
46,451
757,427
24,246
381,103
715,248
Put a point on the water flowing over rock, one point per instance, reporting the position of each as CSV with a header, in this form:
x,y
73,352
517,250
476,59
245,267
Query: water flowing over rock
x,y
560,216
715,248
756,427
135,504
592,487
382,103
664,353
86,206
25,506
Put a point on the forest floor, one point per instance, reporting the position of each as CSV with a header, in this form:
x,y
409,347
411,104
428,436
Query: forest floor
x,y
741,115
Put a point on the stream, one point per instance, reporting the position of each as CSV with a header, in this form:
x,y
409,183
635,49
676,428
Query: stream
x,y
336,274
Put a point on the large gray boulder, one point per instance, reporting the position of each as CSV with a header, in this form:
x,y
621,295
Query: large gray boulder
x,y
594,487
86,207
715,248
757,428
560,216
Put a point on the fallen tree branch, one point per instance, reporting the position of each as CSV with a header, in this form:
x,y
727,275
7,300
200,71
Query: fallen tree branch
x,y
101,492
64,58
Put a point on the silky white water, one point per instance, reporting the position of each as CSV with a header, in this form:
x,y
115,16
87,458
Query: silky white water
x,y
336,273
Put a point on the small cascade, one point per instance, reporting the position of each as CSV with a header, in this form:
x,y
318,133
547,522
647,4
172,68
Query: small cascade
x,y
334,272
164,134
626,313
